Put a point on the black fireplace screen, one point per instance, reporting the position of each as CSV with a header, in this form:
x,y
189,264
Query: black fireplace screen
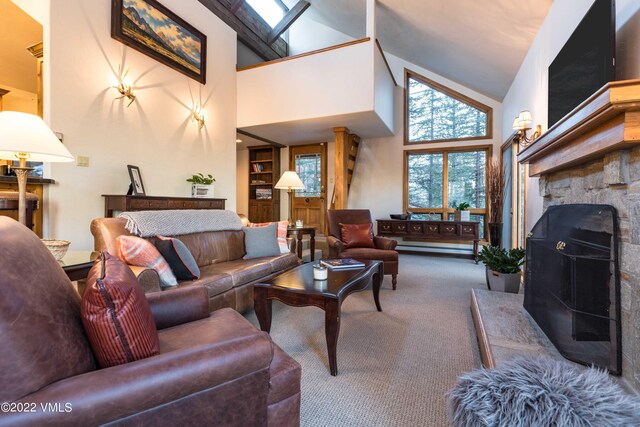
x,y
572,285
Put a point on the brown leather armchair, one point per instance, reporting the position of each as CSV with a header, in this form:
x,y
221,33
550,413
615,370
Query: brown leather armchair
x,y
384,248
212,369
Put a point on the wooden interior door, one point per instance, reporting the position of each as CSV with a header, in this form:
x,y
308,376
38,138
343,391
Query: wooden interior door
x,y
309,205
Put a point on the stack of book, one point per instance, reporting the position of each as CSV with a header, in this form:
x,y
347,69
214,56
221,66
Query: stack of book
x,y
342,263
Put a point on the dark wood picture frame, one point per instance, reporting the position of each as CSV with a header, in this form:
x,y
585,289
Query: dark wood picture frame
x,y
127,32
136,186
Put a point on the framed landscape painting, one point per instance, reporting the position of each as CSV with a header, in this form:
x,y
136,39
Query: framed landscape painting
x,y
151,28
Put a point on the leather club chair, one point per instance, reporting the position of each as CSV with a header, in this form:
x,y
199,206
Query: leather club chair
x,y
213,370
384,248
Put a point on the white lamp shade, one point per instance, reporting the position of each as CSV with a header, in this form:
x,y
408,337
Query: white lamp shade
x,y
516,124
28,133
525,118
289,181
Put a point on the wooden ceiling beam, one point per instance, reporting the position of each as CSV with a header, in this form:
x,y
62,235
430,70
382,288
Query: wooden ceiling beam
x,y
236,5
287,20
245,34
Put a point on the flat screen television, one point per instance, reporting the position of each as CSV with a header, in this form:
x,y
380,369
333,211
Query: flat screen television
x,y
585,63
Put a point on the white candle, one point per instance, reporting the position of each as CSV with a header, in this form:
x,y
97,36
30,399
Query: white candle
x,y
320,272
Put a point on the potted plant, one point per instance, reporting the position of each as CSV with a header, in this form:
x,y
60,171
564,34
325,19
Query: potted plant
x,y
495,194
462,211
503,267
202,186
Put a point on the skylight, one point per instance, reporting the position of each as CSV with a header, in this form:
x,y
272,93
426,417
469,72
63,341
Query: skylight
x,y
269,10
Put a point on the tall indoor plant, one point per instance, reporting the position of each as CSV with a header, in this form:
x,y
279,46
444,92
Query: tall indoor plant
x,y
503,267
495,192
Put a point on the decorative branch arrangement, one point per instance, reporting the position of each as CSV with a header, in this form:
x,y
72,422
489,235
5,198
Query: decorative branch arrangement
x,y
496,183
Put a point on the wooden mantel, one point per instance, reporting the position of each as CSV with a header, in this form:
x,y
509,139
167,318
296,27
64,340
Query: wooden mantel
x,y
608,121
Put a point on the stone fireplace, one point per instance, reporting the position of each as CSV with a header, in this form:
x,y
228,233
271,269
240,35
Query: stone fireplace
x,y
572,282
592,156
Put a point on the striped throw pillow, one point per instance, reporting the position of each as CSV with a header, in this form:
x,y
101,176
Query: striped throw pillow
x,y
281,233
138,251
116,315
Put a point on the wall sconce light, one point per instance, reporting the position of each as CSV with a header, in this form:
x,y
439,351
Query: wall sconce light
x,y
198,116
126,91
521,124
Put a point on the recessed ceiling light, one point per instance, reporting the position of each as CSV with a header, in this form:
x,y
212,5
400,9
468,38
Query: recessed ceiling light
x,y
238,141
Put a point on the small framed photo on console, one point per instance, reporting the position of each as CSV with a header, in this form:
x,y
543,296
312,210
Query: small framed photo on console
x,y
137,187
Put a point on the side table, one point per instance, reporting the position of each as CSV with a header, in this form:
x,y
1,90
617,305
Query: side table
x,y
302,231
77,264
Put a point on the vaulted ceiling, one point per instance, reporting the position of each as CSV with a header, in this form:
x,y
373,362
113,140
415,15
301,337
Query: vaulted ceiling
x,y
478,43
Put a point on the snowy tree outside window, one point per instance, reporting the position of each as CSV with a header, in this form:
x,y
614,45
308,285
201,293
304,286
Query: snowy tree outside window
x,y
436,113
438,180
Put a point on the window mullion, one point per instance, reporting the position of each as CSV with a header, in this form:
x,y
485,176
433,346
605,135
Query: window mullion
x,y
445,183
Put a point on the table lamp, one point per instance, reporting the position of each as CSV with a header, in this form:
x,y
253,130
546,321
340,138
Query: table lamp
x,y
27,137
290,181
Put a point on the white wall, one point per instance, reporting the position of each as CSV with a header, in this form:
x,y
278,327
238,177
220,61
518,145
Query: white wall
x,y
378,178
529,88
307,88
155,133
246,56
242,181
284,197
384,89
37,9
306,35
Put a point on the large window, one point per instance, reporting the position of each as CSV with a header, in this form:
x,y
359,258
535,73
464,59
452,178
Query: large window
x,y
437,180
434,112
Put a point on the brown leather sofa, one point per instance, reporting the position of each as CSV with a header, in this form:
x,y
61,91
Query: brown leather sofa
x,y
212,370
228,278
384,248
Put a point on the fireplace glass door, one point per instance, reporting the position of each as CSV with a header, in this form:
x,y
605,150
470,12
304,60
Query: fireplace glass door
x,y
572,284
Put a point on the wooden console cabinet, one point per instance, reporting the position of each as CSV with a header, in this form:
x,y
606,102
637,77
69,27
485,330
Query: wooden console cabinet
x,y
122,203
464,231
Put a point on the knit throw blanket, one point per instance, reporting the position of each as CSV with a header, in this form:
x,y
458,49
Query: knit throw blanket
x,y
178,222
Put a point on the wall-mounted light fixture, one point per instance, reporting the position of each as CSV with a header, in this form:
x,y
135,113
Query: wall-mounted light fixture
x,y
521,124
126,91
198,116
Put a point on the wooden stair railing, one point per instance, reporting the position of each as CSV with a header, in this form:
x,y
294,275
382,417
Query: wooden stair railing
x,y
347,145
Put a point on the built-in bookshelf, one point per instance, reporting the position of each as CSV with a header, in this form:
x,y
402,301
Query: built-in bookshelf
x,y
264,172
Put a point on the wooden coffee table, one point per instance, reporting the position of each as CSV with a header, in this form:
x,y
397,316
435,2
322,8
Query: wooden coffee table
x,y
298,288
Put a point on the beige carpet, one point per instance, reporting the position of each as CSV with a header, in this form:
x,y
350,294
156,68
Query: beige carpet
x,y
394,366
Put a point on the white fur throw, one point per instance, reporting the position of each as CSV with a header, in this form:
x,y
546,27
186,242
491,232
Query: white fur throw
x,y
180,221
541,392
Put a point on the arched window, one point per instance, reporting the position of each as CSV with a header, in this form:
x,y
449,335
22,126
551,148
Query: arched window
x,y
435,113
